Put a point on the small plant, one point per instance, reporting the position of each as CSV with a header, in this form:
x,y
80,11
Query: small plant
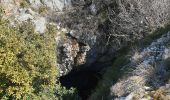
x,y
24,4
42,9
1,9
155,34
158,94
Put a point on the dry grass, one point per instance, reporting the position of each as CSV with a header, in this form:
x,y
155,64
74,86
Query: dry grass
x,y
159,94
126,86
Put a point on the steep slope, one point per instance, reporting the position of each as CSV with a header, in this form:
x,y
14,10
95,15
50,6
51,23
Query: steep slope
x,y
149,70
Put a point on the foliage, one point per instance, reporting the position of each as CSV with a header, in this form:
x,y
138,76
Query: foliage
x,y
24,3
1,9
42,9
155,34
28,63
64,94
159,94
116,72
110,77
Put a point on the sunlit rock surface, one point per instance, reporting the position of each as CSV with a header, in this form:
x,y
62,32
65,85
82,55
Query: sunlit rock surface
x,y
148,70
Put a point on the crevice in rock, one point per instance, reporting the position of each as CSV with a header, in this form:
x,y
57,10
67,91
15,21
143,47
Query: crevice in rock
x,y
85,77
83,80
85,69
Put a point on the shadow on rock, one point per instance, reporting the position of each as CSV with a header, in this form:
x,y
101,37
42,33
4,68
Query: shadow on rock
x,y
83,80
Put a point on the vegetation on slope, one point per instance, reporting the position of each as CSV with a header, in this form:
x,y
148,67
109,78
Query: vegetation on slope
x,y
115,72
28,64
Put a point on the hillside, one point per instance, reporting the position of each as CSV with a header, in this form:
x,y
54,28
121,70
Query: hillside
x,y
84,49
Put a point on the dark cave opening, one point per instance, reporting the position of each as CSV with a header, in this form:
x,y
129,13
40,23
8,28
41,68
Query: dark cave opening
x,y
85,79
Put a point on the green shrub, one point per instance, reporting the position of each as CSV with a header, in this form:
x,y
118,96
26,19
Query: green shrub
x,y
27,61
155,35
1,9
24,3
28,64
42,9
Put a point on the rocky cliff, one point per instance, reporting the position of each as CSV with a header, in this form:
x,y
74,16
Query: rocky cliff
x,y
107,26
91,33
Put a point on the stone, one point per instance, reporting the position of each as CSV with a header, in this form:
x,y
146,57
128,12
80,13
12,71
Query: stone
x,y
6,1
147,88
24,17
54,5
40,24
93,9
67,50
35,3
30,11
147,70
130,96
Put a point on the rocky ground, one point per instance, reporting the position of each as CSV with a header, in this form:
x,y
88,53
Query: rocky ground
x,y
149,73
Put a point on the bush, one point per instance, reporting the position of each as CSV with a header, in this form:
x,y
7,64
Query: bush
x,y
43,9
28,63
24,3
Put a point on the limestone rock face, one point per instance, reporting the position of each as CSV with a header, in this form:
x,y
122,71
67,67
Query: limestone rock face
x,y
35,3
54,5
14,13
21,15
70,54
10,6
40,24
107,26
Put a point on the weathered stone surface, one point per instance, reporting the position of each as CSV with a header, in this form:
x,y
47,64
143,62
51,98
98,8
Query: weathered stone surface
x,y
70,53
35,3
10,7
40,24
23,16
148,69
27,14
54,5
107,26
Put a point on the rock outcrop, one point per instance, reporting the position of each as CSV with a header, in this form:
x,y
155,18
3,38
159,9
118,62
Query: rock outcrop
x,y
103,26
70,53
107,26
149,70
54,5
